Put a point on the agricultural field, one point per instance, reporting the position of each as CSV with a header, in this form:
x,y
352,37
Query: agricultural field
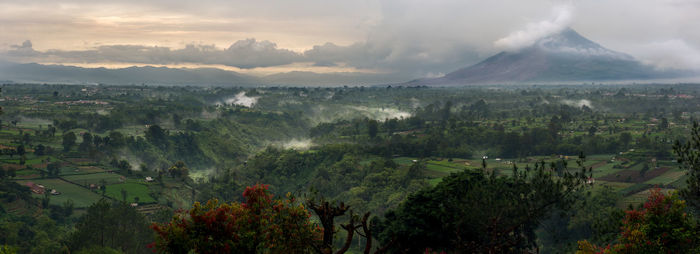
x,y
165,148
80,196
135,192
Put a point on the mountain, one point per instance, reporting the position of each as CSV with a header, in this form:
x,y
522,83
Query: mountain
x,y
132,75
563,57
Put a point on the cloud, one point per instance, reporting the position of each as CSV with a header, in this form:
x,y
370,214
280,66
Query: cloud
x,y
409,38
668,54
241,99
245,54
560,19
578,104
23,50
361,55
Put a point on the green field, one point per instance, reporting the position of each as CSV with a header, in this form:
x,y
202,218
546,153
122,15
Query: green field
x,y
606,169
88,179
667,178
81,197
404,160
639,197
133,190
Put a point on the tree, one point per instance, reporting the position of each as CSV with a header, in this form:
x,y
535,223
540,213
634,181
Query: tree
x,y
54,169
660,226
26,138
261,224
476,212
116,139
664,123
103,187
118,226
87,142
592,130
625,139
21,150
390,125
372,128
68,141
688,155
40,150
179,169
157,136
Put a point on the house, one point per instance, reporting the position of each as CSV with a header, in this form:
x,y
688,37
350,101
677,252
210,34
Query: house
x,y
590,180
36,188
55,192
149,179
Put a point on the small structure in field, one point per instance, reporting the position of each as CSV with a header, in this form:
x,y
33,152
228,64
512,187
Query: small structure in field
x,y
36,188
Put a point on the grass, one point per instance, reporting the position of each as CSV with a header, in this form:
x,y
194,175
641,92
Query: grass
x,y
25,172
639,198
133,190
70,170
31,159
90,169
442,168
667,178
87,179
404,160
80,196
434,181
618,186
606,169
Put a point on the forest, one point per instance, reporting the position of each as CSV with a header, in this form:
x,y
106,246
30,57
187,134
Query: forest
x,y
585,168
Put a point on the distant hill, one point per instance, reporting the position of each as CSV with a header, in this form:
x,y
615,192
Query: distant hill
x,y
565,56
331,79
132,75
32,73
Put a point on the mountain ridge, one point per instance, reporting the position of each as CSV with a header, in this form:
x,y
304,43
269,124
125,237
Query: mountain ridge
x,y
563,57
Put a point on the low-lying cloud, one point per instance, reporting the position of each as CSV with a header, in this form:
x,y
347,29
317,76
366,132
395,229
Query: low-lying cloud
x,y
242,100
578,103
669,54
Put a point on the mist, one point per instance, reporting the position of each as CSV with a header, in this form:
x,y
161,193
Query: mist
x,y
578,103
241,99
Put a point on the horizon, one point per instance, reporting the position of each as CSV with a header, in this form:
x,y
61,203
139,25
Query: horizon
x,y
399,41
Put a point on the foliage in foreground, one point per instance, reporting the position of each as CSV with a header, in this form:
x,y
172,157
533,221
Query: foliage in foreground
x,y
261,224
660,226
689,158
478,212
109,225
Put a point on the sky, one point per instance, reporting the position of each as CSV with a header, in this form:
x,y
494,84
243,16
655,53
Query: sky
x,y
406,38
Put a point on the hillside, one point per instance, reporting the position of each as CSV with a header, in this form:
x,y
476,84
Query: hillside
x,y
566,56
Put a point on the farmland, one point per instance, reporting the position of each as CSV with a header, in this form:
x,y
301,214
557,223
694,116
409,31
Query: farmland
x,y
163,148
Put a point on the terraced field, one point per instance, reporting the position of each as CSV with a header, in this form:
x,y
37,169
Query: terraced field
x,y
133,190
81,197
87,179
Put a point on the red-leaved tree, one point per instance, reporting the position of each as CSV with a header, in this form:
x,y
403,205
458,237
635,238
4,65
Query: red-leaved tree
x,y
660,226
259,225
